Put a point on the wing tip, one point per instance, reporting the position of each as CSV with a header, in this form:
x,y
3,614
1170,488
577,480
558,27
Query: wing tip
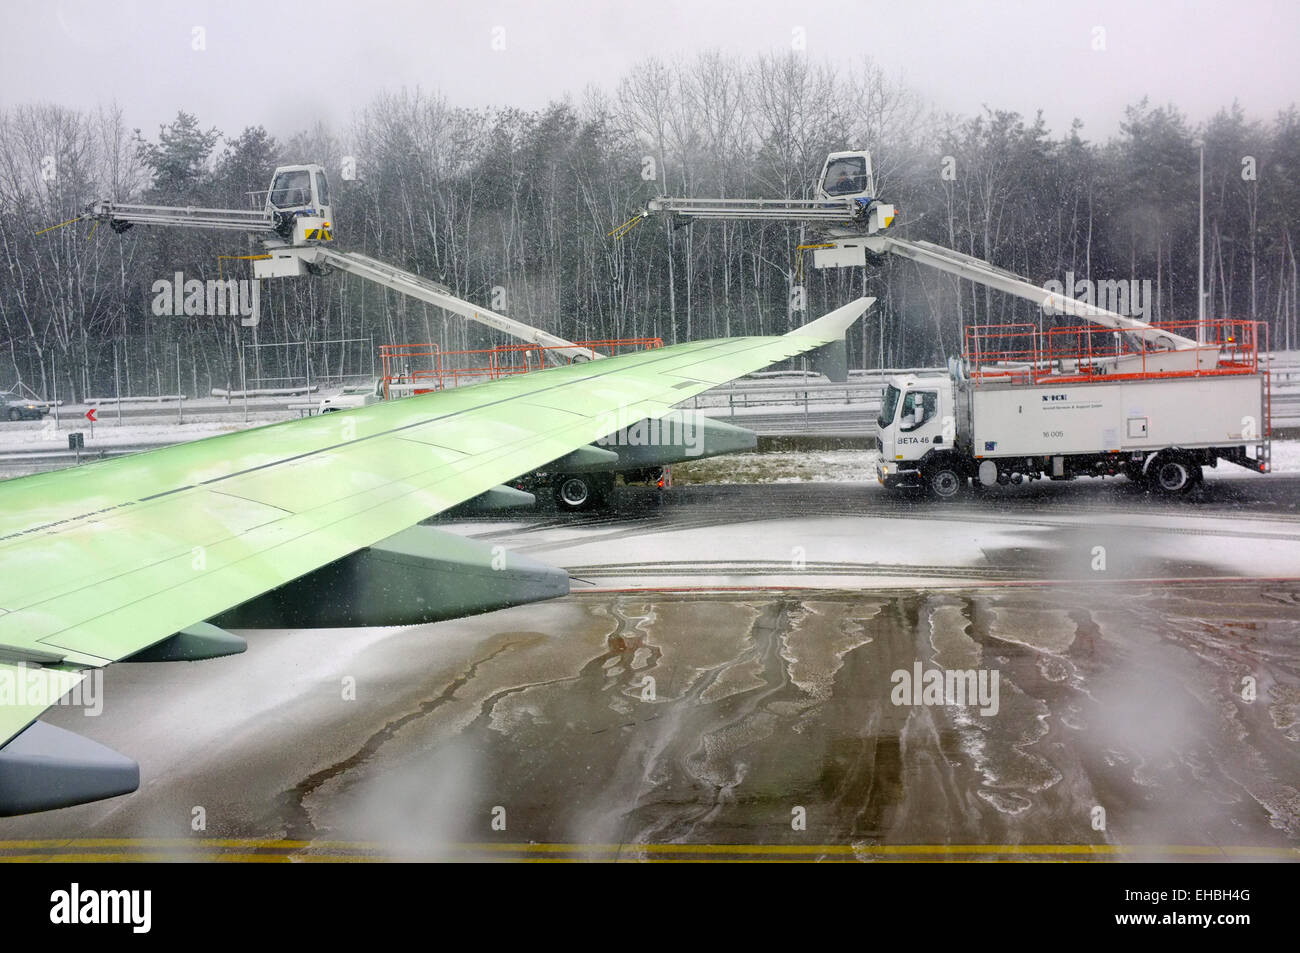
x,y
833,324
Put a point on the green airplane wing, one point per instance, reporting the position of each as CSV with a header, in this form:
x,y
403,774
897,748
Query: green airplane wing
x,y
102,562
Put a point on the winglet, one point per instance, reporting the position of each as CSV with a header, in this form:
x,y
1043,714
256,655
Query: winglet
x,y
831,327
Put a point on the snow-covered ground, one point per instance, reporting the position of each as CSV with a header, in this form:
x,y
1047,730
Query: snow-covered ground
x,y
36,437
803,466
859,466
1286,456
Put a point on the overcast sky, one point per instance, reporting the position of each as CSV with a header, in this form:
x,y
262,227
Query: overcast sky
x,y
286,63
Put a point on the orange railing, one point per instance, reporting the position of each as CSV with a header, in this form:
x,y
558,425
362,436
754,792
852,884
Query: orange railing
x,y
1024,354
421,368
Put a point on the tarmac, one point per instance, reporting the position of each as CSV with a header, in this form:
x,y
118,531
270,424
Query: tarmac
x,y
761,672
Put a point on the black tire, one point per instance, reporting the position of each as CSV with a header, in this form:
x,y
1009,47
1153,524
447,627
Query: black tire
x,y
1172,476
15,413
944,482
575,492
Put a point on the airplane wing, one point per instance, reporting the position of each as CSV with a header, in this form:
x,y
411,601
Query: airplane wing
x,y
125,559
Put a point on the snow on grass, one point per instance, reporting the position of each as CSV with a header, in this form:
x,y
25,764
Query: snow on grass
x,y
806,466
34,437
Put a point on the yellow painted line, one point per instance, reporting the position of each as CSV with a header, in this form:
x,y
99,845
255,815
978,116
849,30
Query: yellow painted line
x,y
157,857
216,845
839,860
190,842
887,849
142,858
123,858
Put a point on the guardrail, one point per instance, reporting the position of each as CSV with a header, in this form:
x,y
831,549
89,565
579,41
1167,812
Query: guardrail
x,y
145,399
784,406
771,404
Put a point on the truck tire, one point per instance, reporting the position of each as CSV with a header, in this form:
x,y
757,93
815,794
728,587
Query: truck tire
x,y
1173,476
944,482
15,413
575,492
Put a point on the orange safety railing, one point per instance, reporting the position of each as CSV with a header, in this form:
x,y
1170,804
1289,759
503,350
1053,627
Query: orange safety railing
x,y
395,362
426,367
1024,354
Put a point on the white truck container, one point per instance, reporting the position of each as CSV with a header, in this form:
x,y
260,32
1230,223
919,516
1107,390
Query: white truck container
x,y
1005,422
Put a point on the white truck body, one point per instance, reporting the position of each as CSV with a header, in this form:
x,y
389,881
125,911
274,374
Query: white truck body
x,y
950,429
1134,415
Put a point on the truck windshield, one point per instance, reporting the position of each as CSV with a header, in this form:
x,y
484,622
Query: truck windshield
x,y
290,189
845,176
888,404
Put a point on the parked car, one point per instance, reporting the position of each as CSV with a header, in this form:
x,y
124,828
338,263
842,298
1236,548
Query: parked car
x,y
24,410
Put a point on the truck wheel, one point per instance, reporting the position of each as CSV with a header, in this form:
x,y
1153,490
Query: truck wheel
x,y
583,491
945,483
1172,477
573,493
15,413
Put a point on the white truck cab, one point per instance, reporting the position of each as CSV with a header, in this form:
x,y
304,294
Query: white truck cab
x,y
846,175
917,422
300,190
299,203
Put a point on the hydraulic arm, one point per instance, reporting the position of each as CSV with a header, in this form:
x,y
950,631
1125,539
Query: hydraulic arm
x,y
363,266
851,224
295,228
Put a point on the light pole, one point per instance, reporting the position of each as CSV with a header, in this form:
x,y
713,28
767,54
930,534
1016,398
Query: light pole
x,y
1200,256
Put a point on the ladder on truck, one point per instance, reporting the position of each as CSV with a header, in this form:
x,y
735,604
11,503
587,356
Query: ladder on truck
x,y
841,212
122,215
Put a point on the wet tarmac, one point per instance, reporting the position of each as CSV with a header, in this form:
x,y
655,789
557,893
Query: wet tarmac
x,y
761,672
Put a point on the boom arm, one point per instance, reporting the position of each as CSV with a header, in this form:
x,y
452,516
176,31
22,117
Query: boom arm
x,y
293,227
977,270
423,289
856,223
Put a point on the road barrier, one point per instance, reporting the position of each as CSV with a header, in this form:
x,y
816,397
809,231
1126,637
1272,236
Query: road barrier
x,y
787,403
